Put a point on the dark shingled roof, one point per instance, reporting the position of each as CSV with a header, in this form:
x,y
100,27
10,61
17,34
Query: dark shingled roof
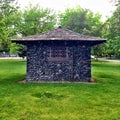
x,y
59,34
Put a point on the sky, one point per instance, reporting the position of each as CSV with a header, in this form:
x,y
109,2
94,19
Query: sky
x,y
104,7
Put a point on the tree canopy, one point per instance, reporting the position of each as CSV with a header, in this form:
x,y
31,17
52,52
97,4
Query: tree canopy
x,y
15,23
81,20
111,31
35,20
8,22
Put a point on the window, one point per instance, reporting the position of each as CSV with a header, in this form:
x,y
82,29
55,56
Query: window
x,y
58,54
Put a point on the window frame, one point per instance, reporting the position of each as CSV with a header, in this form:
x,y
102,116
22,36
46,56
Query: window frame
x,y
58,58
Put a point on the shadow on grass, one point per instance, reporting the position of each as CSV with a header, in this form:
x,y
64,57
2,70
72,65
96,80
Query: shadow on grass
x,y
10,79
49,95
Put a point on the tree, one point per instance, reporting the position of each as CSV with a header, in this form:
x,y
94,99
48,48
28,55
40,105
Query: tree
x,y
111,31
84,22
75,19
8,23
22,51
33,20
14,22
81,20
36,20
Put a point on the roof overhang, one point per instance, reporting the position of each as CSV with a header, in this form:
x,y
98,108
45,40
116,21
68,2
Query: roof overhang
x,y
92,42
60,35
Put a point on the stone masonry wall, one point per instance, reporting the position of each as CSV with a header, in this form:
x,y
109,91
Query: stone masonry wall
x,y
76,68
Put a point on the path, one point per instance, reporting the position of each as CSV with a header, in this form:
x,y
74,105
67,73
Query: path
x,y
109,60
100,59
10,57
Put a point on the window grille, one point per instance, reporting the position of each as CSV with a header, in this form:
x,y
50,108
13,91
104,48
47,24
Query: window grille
x,y
58,52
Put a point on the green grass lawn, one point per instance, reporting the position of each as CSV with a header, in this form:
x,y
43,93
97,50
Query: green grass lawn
x,y
59,101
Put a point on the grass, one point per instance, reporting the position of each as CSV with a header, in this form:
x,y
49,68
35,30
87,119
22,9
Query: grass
x,y
59,101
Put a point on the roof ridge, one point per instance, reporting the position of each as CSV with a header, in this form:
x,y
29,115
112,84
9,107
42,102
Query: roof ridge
x,y
60,33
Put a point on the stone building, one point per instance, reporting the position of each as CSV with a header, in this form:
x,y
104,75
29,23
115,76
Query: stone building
x,y
59,55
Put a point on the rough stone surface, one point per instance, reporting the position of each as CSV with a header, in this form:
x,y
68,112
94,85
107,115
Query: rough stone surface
x,y
76,68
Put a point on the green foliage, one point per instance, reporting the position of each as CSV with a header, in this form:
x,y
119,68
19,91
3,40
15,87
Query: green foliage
x,y
84,22
36,20
14,23
75,19
95,23
9,18
14,48
59,101
111,31
98,50
18,49
115,24
81,20
22,51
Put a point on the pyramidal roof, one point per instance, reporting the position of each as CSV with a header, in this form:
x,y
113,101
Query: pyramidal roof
x,y
59,33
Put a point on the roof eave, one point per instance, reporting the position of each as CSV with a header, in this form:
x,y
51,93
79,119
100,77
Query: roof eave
x,y
92,42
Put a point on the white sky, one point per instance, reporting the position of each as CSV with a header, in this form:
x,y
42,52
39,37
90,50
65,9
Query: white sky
x,y
104,7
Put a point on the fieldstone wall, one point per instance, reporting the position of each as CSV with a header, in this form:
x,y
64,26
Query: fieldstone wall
x,y
77,67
